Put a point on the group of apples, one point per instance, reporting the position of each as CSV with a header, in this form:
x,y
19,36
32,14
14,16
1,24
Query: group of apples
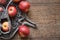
x,y
24,6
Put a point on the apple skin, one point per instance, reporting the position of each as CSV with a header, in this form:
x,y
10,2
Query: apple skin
x,y
16,1
5,27
12,11
23,31
24,6
1,9
2,1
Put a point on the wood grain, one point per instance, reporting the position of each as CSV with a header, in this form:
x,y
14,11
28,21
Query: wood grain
x,y
44,1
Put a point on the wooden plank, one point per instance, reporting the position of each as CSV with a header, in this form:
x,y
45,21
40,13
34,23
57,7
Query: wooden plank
x,y
44,1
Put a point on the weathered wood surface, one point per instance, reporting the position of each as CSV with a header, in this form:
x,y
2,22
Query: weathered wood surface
x,y
46,14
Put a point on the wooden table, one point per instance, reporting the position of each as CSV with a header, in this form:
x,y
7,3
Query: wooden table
x,y
46,14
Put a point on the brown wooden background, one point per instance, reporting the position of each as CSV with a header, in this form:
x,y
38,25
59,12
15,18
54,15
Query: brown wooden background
x,y
46,14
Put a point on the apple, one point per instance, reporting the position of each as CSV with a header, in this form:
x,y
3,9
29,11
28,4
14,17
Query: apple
x,y
24,6
16,1
2,1
12,11
23,31
5,26
1,9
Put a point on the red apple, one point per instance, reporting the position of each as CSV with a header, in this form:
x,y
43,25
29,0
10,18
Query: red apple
x,y
16,1
1,9
23,31
2,1
5,27
12,11
24,6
